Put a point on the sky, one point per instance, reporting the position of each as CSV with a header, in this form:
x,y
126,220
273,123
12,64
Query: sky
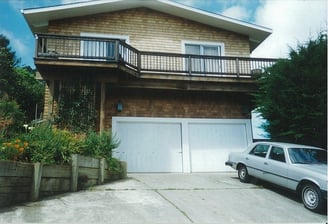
x,y
293,22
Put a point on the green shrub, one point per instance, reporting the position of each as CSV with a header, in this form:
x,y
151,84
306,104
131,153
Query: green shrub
x,y
114,165
51,146
11,118
99,145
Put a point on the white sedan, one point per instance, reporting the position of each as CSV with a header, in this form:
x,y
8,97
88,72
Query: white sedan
x,y
300,168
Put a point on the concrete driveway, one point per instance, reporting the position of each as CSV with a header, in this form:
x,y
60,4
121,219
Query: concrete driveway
x,y
168,198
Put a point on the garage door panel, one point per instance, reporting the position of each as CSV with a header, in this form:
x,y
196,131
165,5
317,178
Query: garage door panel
x,y
150,146
210,144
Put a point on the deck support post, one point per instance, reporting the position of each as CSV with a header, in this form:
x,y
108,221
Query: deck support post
x,y
102,106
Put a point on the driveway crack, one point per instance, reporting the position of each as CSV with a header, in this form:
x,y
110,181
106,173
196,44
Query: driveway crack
x,y
174,205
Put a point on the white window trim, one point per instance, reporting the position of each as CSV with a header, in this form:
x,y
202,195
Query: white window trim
x,y
104,35
203,43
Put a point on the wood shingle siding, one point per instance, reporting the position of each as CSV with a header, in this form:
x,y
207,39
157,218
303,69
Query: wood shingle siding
x,y
157,103
149,30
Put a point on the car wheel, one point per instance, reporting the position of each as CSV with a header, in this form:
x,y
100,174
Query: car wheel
x,y
243,174
311,197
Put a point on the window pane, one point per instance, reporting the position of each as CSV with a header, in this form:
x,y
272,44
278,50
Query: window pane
x,y
195,62
277,154
211,64
306,155
260,150
192,49
211,50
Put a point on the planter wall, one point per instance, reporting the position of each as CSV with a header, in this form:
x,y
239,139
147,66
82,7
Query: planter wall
x,y
22,182
16,182
55,179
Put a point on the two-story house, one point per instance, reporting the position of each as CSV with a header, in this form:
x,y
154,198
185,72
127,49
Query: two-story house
x,y
173,82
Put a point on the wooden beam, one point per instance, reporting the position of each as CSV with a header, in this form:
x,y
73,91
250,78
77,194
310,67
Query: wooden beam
x,y
75,172
102,106
51,98
36,180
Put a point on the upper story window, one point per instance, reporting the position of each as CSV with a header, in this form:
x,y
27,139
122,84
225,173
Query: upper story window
x,y
100,49
204,64
203,49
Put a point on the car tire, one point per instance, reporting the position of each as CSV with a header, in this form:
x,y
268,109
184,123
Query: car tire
x,y
312,198
243,174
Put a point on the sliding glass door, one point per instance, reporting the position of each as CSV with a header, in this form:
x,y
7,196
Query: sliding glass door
x,y
200,63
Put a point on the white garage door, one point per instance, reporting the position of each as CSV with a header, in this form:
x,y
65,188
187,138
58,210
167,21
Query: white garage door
x,y
150,146
210,144
179,144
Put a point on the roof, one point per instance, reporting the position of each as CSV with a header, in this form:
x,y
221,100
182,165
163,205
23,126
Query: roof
x,y
38,18
287,144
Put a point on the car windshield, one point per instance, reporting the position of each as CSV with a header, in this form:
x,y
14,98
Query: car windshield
x,y
307,155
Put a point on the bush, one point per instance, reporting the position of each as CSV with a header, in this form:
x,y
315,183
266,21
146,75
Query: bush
x,y
51,146
114,165
11,118
14,150
99,145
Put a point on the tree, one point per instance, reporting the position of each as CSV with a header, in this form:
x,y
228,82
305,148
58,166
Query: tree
x,y
292,95
8,62
18,83
29,92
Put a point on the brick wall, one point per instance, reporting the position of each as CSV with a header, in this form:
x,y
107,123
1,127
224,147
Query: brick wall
x,y
150,30
158,103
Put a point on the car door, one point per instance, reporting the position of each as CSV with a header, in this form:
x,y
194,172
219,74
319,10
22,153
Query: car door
x,y
255,160
275,167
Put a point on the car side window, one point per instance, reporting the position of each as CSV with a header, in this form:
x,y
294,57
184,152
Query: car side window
x,y
277,154
260,150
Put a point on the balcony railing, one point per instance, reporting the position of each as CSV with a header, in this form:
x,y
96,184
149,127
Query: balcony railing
x,y
117,51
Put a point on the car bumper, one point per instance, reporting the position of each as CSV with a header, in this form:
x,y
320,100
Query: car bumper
x,y
229,163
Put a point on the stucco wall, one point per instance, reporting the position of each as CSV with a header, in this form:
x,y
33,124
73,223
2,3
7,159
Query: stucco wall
x,y
149,30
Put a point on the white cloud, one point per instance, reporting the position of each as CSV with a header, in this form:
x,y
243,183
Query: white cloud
x,y
236,12
17,5
18,45
293,22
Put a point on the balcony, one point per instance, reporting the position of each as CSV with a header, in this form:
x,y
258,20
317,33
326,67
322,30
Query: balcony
x,y
116,54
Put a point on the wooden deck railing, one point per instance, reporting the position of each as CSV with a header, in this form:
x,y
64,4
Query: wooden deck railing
x,y
117,51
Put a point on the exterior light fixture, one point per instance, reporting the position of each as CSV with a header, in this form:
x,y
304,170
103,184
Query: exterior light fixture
x,y
119,106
